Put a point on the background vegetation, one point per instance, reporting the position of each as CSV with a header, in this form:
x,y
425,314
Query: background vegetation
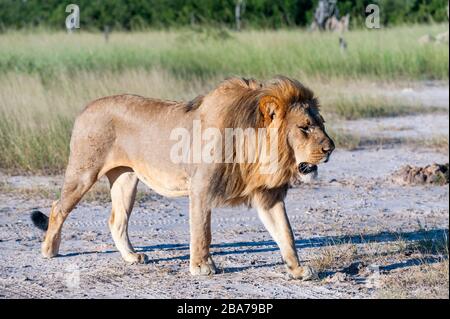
x,y
47,78
140,14
206,53
181,48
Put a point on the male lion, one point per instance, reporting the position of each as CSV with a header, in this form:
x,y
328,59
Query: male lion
x,y
127,138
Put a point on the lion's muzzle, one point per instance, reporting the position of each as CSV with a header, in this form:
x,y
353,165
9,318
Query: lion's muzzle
x,y
307,168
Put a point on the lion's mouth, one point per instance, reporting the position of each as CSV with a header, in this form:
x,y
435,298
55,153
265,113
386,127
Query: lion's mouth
x,y
307,168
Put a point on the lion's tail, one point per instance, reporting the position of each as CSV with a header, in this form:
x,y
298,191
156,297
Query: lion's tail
x,y
39,220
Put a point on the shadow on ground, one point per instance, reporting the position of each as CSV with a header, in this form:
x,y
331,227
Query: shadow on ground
x,y
251,247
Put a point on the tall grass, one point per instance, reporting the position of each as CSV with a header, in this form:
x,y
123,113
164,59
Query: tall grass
x,y
47,78
36,117
385,54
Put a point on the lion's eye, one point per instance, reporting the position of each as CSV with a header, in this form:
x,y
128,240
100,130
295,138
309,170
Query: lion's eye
x,y
304,129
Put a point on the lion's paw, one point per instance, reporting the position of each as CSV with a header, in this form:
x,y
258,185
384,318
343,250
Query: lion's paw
x,y
48,251
136,258
303,273
204,268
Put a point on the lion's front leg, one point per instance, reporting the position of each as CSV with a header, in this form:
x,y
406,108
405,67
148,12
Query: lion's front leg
x,y
201,262
277,224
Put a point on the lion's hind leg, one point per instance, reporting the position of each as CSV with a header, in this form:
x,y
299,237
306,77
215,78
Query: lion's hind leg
x,y
76,184
123,183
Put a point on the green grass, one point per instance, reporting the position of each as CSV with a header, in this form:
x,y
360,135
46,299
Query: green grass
x,y
379,54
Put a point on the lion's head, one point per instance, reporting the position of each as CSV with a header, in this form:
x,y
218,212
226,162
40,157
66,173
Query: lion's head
x,y
292,107
282,104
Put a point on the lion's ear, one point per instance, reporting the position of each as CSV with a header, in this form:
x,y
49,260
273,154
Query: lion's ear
x,y
271,109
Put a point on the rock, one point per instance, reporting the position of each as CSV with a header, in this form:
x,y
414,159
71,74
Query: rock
x,y
435,174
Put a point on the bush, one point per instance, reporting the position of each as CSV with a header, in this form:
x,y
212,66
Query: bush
x,y
139,14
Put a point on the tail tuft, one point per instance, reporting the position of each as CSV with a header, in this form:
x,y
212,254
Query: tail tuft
x,y
39,220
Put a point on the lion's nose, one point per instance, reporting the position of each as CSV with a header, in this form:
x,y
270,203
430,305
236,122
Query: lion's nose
x,y
327,145
328,149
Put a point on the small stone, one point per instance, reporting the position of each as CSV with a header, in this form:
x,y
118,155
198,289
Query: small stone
x,y
337,278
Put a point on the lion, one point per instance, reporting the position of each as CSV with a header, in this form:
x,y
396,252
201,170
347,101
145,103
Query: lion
x,y
127,138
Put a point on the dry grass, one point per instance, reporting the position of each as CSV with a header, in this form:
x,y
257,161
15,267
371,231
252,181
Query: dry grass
x,y
47,78
439,143
36,116
352,141
353,99
428,280
29,192
344,140
357,106
334,256
99,193
409,268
